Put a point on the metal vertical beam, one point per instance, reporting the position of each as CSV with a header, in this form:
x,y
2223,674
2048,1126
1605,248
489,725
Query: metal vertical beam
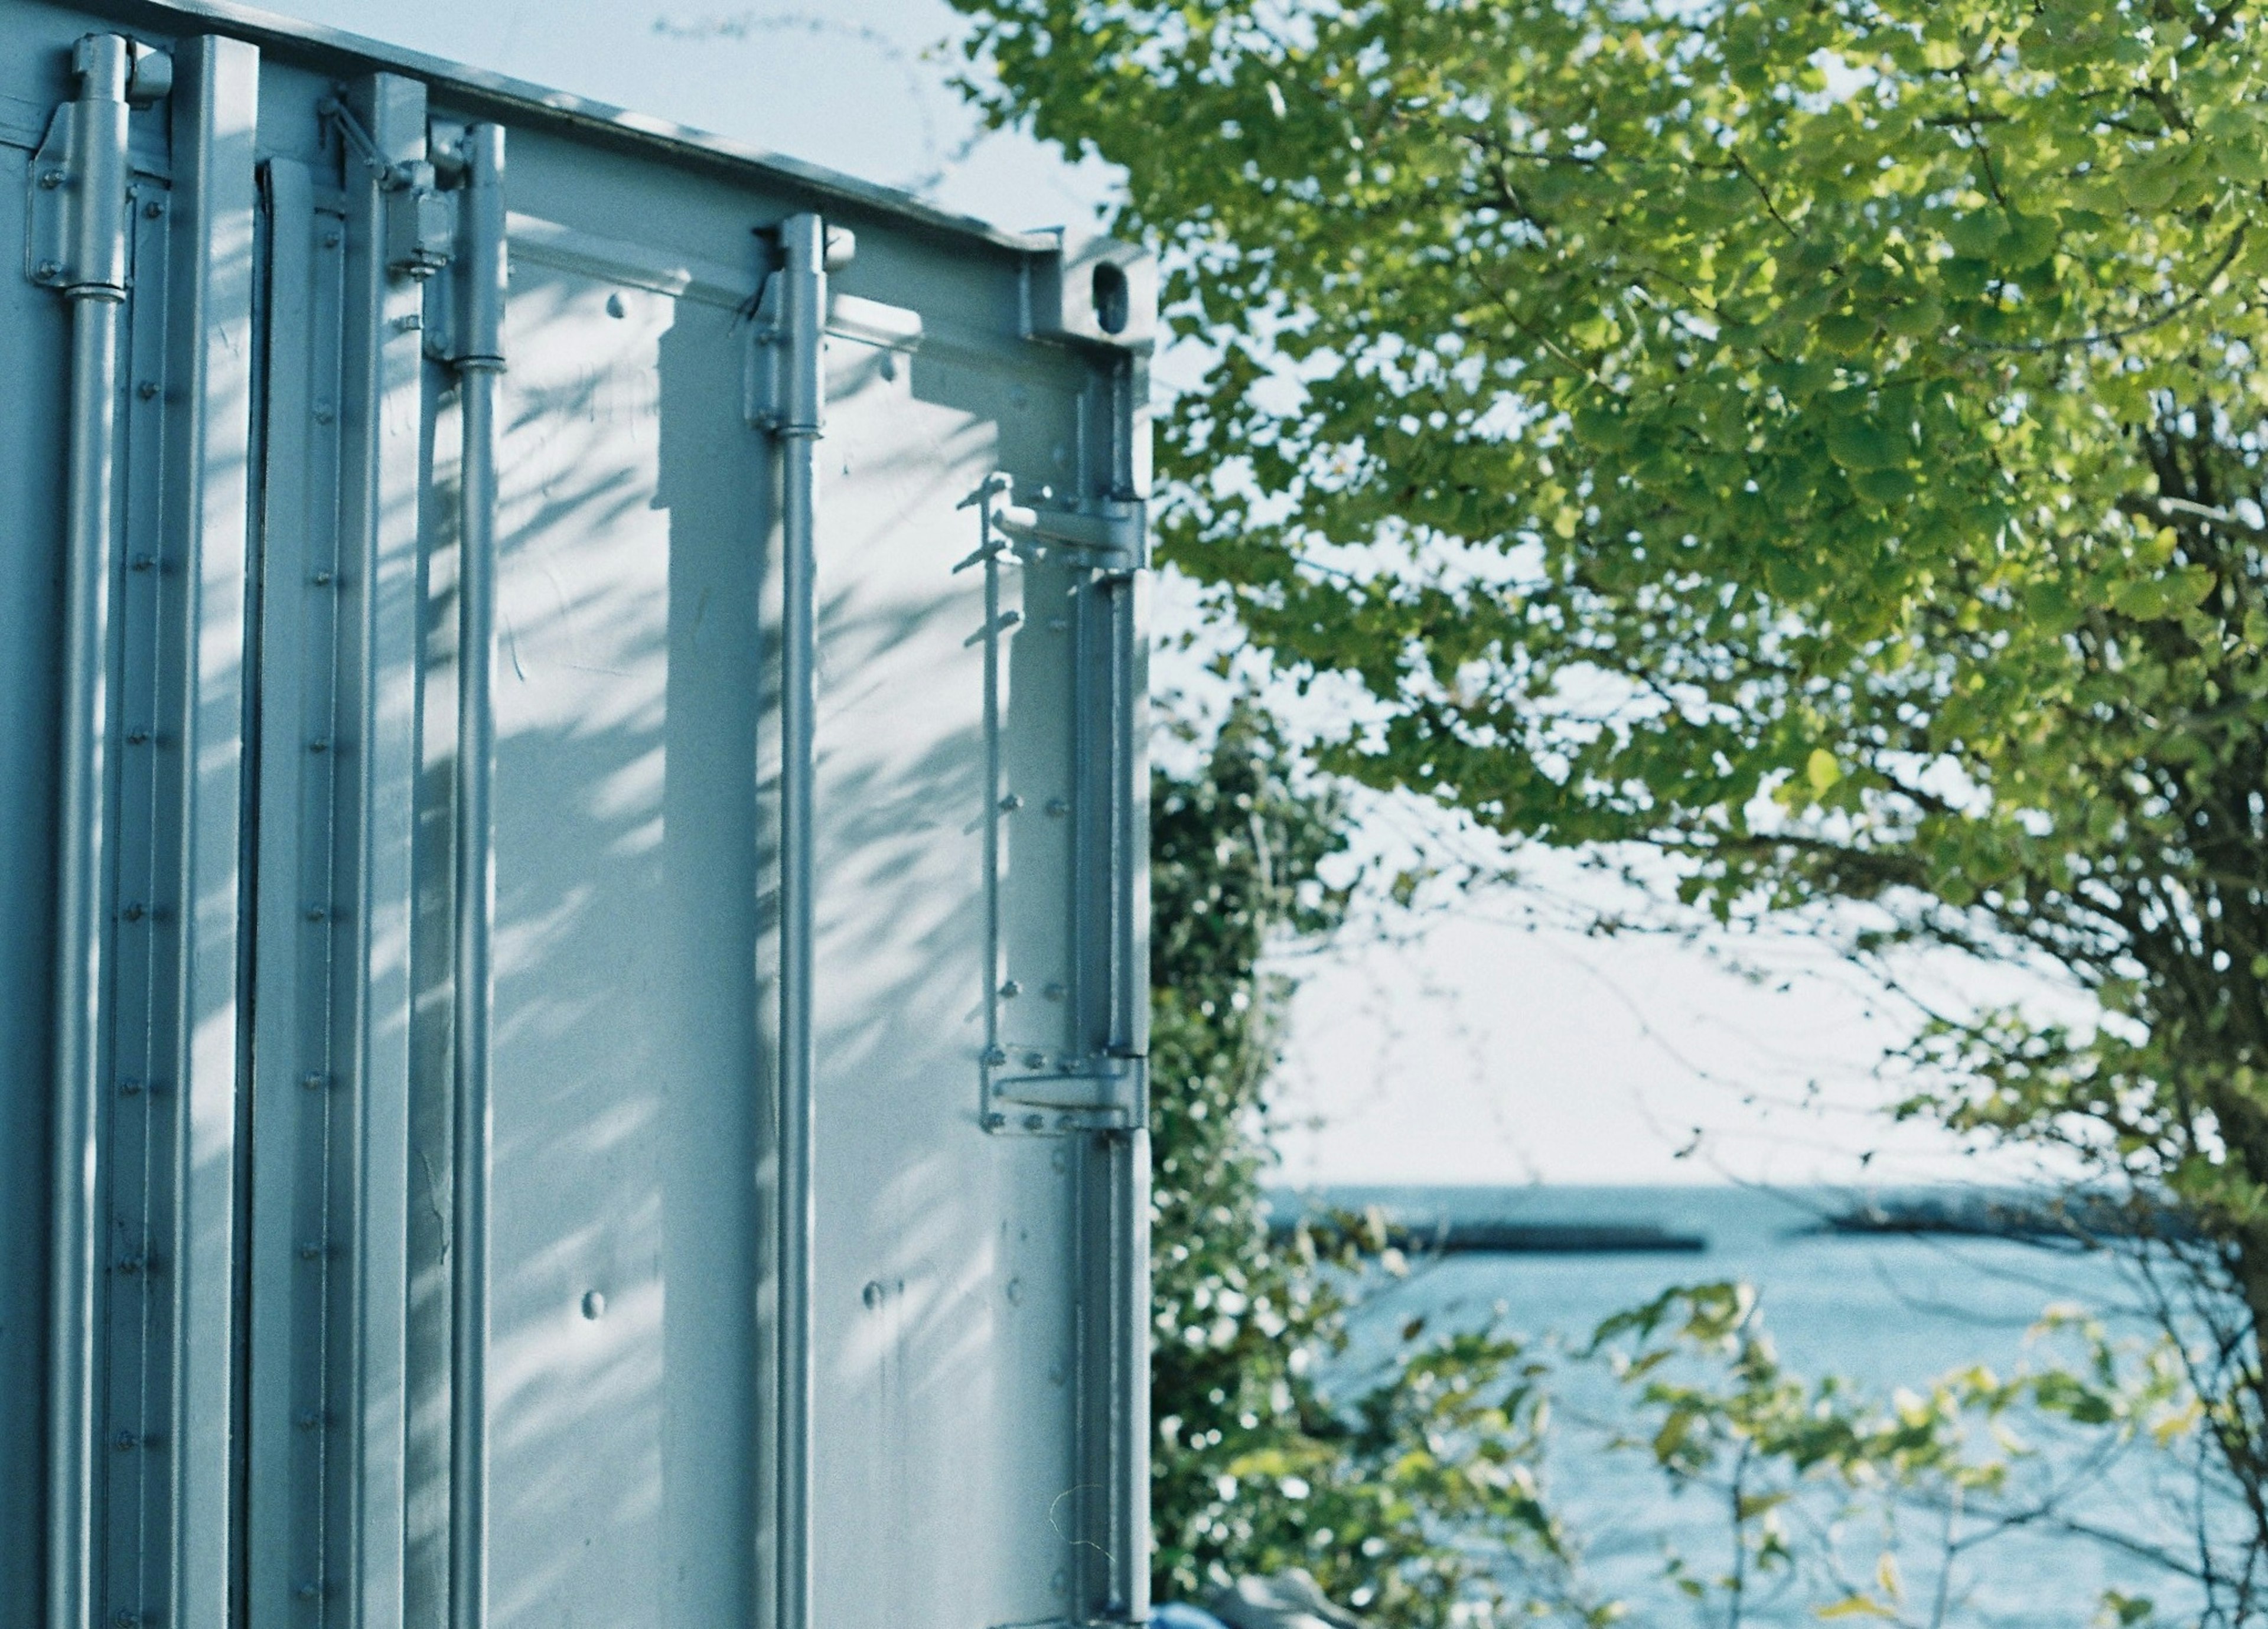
x,y
94,282
802,315
1127,1497
214,112
284,1354
482,273
382,401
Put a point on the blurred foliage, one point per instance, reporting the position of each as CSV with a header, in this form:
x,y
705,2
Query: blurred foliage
x,y
1413,1486
1383,1495
1817,443
1835,1504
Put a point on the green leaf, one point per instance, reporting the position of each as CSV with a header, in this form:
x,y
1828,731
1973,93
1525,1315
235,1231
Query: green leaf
x,y
1915,318
1821,770
1603,429
2030,239
1846,332
1862,443
1976,234
1856,1606
2145,600
1884,486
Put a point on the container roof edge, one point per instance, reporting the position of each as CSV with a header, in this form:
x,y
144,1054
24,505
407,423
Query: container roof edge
x,y
481,86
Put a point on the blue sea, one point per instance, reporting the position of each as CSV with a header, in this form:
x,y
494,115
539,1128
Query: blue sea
x,y
1885,1311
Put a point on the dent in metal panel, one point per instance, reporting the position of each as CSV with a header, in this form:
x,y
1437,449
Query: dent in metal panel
x,y
627,1089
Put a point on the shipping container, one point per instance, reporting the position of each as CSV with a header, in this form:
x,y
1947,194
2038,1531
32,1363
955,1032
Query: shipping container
x,y
571,831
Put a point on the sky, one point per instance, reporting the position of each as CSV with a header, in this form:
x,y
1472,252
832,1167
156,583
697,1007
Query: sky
x,y
1484,1038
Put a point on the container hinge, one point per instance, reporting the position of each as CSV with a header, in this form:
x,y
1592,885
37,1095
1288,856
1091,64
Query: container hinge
x,y
1111,538
764,384
1028,1090
765,378
74,239
421,219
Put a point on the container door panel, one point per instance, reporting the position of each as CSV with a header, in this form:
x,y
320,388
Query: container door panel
x,y
627,1081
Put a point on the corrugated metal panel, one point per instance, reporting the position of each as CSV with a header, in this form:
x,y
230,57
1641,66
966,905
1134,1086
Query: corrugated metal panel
x,y
763,1239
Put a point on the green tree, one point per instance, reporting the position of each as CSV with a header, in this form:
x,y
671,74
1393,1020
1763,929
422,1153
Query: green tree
x,y
1382,1490
1817,442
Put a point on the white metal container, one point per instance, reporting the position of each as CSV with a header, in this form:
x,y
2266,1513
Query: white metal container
x,y
571,1005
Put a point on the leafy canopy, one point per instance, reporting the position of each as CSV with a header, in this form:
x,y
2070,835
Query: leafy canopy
x,y
1819,439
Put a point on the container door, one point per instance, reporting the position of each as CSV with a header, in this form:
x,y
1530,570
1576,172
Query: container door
x,y
613,1415
981,1159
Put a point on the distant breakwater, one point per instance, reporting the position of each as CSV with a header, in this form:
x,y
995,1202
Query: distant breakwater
x,y
2077,1219
1421,1221
1454,1236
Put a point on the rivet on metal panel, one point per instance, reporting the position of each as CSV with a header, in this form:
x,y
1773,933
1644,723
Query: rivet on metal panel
x,y
131,1266
51,179
315,1079
594,1305
1012,989
872,1294
1058,806
135,911
319,744
318,913
1035,1060
47,271
136,736
324,413
331,239
152,209
322,579
126,1442
125,1620
311,1591
311,1250
995,1056
615,307
1055,992
1010,804
129,1088
1034,1122
1015,1292
311,1420
147,390
993,1122
145,563
1059,1161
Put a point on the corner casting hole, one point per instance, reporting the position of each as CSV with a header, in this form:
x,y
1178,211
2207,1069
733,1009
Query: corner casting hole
x,y
1112,302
